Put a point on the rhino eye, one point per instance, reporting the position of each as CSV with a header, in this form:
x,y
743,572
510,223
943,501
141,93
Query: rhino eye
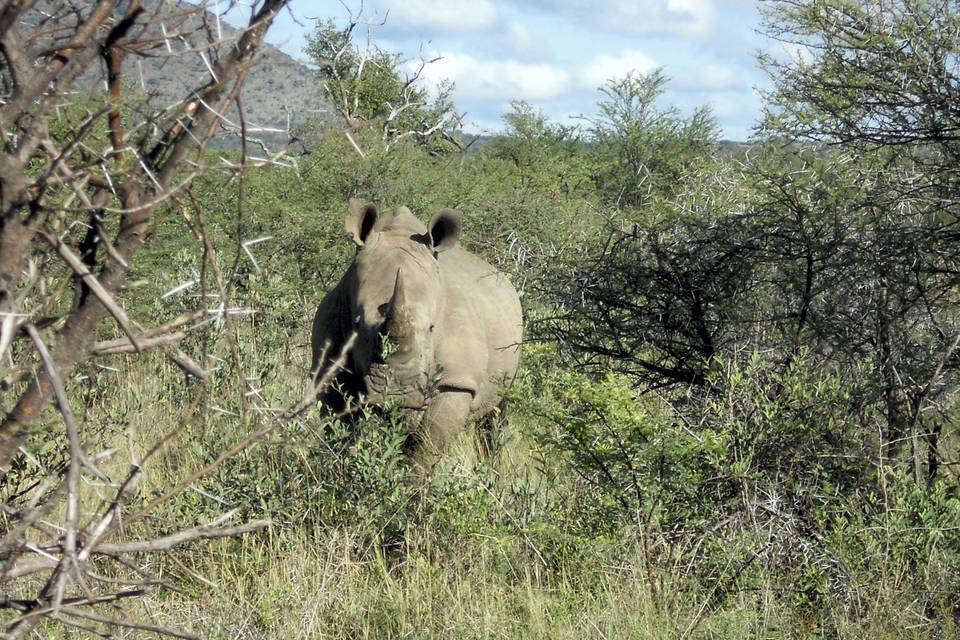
x,y
432,327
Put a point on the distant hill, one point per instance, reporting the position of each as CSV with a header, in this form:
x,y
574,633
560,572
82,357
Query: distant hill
x,y
279,93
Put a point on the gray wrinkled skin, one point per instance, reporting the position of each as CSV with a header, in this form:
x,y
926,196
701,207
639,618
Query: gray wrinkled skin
x,y
437,328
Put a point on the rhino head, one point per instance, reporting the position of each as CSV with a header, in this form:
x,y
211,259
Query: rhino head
x,y
397,298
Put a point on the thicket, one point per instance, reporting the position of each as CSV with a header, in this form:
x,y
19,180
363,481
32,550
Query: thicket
x,y
736,413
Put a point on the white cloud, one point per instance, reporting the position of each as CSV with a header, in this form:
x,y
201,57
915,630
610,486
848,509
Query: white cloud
x,y
442,15
604,67
726,107
710,76
686,18
498,80
521,41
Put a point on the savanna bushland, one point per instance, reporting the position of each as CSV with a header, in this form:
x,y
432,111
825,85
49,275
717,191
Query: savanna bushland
x,y
736,414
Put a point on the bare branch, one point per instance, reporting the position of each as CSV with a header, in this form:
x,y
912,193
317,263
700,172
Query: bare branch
x,y
91,281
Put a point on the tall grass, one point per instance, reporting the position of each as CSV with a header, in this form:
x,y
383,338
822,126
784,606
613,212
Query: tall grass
x,y
494,548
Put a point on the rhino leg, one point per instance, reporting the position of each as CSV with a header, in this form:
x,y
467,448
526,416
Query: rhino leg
x,y
442,422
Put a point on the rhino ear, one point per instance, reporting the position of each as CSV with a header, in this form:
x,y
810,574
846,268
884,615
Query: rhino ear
x,y
445,229
361,216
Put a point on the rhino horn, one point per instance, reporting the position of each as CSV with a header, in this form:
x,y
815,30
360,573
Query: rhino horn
x,y
400,321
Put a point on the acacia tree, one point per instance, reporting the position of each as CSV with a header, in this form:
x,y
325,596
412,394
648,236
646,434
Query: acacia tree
x,y
800,299
642,149
370,89
650,290
842,243
45,181
86,177
877,74
876,81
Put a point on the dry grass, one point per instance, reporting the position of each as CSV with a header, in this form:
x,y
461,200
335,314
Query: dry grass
x,y
300,588
486,576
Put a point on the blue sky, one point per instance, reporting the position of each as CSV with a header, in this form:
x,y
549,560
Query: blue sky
x,y
555,53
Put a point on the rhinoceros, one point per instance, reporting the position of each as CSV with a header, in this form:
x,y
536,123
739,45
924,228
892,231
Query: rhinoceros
x,y
452,322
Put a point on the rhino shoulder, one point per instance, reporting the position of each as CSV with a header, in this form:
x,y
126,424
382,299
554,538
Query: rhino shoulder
x,y
483,324
470,273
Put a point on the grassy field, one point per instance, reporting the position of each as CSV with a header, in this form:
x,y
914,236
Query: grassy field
x,y
496,547
476,556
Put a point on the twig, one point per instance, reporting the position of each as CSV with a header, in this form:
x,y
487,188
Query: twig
x,y
79,268
123,345
202,532
141,626
69,559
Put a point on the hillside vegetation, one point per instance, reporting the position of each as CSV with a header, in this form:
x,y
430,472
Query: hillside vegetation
x,y
281,96
736,415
